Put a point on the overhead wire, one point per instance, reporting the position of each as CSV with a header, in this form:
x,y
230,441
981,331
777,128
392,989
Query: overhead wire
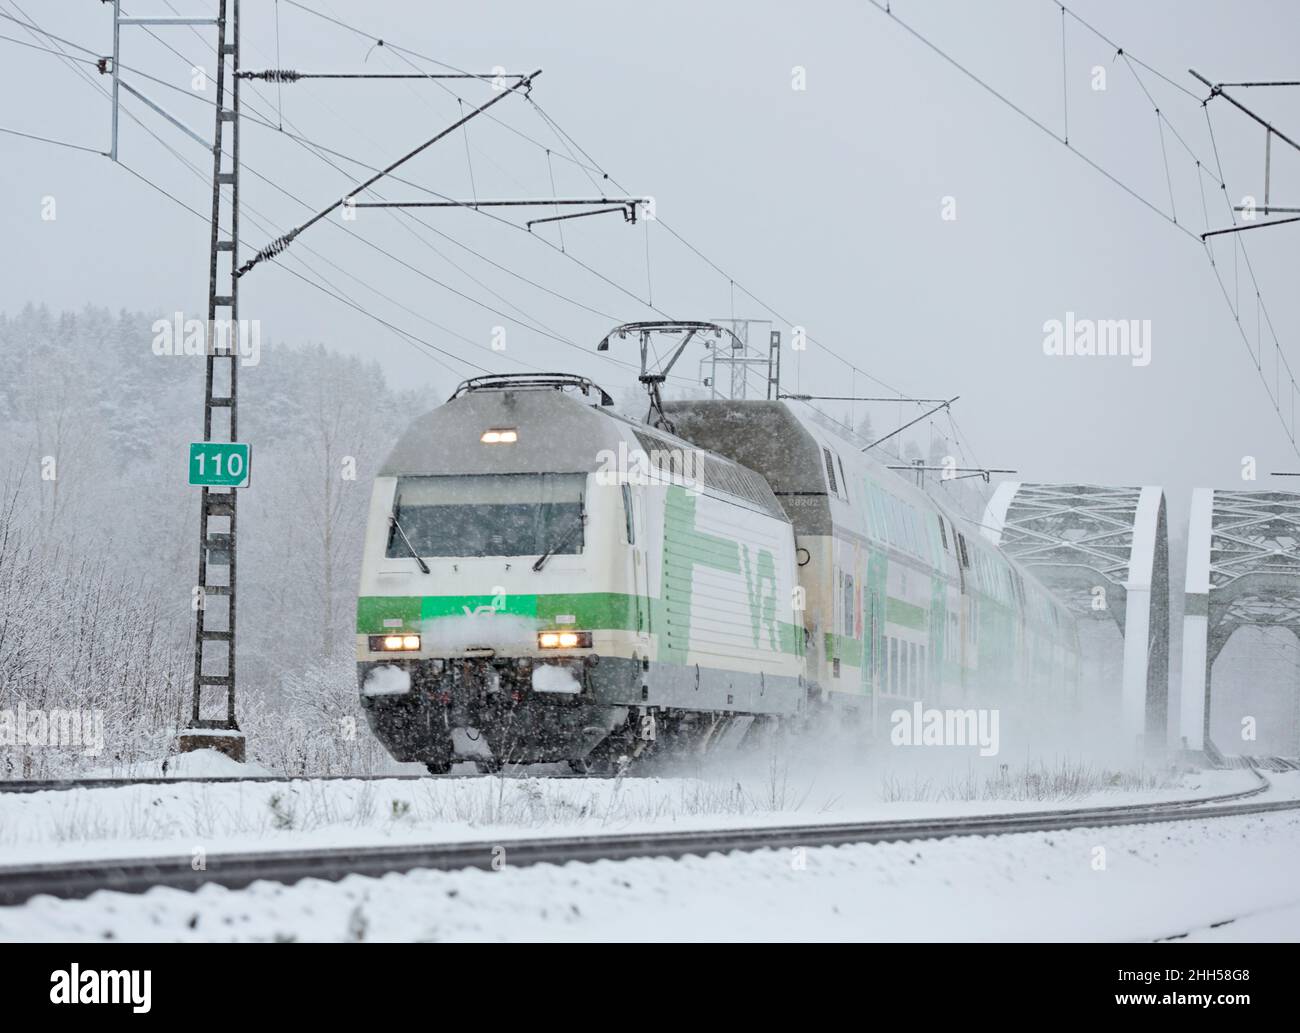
x,y
33,27
415,217
511,358
1162,122
588,167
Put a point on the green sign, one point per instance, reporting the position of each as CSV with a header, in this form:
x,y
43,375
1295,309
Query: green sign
x,y
219,464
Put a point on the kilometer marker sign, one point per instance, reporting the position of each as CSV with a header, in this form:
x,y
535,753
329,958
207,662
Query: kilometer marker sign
x,y
219,464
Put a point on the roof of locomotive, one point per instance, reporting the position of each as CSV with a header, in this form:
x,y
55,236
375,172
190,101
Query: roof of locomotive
x,y
558,433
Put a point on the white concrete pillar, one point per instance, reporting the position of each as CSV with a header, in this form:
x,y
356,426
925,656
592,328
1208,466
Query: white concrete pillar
x,y
1137,636
1196,617
1196,674
1137,615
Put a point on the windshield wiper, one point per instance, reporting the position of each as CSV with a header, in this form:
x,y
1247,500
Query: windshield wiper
x,y
564,540
392,522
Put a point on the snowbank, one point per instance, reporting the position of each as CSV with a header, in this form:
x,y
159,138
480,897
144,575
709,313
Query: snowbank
x,y
196,764
1231,878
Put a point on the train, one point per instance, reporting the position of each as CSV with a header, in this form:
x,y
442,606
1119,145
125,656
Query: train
x,y
546,581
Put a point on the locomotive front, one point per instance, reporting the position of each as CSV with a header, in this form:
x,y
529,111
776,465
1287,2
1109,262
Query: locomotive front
x,y
498,602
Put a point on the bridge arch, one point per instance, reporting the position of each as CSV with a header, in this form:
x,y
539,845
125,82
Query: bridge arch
x,y
1081,538
1243,570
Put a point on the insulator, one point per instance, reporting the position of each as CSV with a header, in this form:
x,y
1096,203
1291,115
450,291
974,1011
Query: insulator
x,y
273,75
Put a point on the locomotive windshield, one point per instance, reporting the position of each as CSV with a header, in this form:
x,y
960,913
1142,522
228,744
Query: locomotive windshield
x,y
489,515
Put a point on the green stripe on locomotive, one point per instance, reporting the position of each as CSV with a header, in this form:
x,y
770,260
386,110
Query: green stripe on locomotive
x,y
591,611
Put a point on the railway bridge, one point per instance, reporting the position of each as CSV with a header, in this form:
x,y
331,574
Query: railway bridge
x,y
1243,570
1105,552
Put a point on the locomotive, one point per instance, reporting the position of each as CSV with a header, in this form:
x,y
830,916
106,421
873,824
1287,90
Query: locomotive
x,y
547,581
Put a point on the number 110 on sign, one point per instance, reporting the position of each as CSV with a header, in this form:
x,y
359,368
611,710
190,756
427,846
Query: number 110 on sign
x,y
219,464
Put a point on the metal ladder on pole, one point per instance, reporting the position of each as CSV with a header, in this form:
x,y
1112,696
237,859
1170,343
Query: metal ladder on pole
x,y
214,637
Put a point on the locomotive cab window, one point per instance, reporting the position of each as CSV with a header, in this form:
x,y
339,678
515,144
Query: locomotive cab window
x,y
490,515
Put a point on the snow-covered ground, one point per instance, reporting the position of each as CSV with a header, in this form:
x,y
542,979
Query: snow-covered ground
x,y
195,764
1223,879
188,817
1148,882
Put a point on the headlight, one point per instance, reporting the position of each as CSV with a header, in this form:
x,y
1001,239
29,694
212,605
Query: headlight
x,y
499,436
564,640
394,643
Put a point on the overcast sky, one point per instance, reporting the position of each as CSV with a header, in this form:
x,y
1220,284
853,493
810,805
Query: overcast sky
x,y
825,202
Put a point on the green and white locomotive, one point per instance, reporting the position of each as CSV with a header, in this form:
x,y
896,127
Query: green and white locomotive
x,y
546,581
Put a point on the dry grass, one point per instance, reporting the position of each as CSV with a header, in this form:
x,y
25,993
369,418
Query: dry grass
x,y
1067,780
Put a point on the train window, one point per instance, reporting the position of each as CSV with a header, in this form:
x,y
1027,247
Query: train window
x,y
943,533
844,481
837,603
830,471
847,623
961,549
877,512
627,515
490,515
913,531
868,603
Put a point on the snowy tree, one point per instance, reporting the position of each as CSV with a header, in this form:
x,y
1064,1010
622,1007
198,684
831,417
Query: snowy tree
x,y
96,581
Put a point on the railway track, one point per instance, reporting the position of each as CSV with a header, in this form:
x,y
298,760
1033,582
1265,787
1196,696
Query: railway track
x,y
236,870
64,784
1278,764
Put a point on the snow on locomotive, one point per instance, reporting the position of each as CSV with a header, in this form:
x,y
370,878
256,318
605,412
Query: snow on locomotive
x,y
544,580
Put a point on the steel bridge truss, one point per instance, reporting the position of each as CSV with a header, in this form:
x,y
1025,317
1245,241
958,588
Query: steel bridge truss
x,y
1243,570
1104,552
